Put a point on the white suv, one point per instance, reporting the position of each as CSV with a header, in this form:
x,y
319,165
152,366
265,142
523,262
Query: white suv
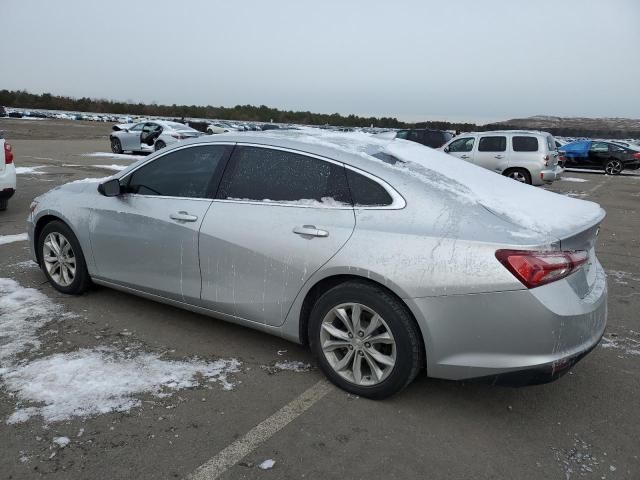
x,y
527,156
7,174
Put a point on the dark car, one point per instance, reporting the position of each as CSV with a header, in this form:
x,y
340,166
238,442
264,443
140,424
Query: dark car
x,y
3,112
425,136
600,155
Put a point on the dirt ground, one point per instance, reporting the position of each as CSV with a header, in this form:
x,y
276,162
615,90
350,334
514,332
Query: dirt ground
x,y
584,426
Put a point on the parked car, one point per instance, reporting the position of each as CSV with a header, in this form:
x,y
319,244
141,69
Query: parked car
x,y
425,136
600,155
383,262
526,156
7,174
148,136
3,111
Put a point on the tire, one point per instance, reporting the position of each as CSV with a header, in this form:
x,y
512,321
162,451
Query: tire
x,y
518,174
3,204
160,145
406,349
613,167
116,146
56,232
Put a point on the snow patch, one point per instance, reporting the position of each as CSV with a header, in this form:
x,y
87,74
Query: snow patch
x,y
627,346
293,365
61,441
97,381
30,170
573,179
114,167
20,237
267,464
123,156
325,202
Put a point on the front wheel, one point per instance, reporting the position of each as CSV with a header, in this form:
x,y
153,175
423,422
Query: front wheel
x,y
116,146
160,145
365,340
3,204
613,167
61,259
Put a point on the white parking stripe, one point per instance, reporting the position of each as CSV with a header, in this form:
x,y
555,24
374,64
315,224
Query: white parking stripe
x,y
239,449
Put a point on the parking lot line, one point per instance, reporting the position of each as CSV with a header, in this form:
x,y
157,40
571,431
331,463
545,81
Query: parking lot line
x,y
239,449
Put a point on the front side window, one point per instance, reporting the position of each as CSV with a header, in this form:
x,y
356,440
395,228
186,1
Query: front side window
x,y
403,134
492,144
137,127
270,175
524,144
189,172
462,145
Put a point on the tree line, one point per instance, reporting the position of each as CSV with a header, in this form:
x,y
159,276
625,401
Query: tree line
x,y
263,113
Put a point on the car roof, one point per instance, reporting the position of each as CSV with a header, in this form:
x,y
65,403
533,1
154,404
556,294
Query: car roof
x,y
492,132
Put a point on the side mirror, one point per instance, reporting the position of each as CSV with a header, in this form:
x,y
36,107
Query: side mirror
x,y
446,149
110,188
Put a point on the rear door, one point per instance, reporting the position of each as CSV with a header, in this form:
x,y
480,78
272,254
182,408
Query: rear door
x,y
491,152
279,216
147,238
598,154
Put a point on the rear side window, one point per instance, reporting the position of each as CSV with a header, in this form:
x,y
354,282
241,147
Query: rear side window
x,y
525,144
551,143
191,172
462,145
492,144
366,192
402,134
265,174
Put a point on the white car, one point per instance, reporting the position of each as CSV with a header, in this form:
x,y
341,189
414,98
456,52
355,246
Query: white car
x,y
7,174
526,156
148,136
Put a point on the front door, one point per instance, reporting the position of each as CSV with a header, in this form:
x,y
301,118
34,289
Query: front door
x,y
147,238
278,218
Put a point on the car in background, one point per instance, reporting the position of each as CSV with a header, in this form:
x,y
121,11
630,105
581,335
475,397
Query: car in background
x,y
148,136
629,145
526,156
384,256
7,174
425,136
611,157
3,111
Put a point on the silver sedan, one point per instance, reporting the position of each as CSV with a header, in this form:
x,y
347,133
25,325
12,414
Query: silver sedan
x,y
384,256
147,137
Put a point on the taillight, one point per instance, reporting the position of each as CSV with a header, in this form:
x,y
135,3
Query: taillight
x,y
538,268
545,159
8,153
636,155
178,137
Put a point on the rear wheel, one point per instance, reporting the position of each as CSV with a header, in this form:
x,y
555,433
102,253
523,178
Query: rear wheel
x,y
116,146
365,340
613,167
160,145
62,260
3,204
518,174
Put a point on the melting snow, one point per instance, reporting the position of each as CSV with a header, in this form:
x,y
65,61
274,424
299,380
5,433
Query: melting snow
x,y
293,365
97,381
306,202
20,237
89,381
625,345
267,464
31,170
61,441
114,167
573,179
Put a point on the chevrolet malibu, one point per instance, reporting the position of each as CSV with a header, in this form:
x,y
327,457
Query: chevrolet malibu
x,y
383,256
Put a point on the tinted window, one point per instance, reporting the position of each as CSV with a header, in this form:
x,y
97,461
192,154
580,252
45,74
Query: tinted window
x,y
436,139
599,147
525,144
365,191
402,134
416,136
492,144
189,172
462,145
268,174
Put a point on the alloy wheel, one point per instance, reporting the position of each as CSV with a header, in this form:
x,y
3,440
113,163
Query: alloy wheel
x,y
59,259
613,167
518,176
358,344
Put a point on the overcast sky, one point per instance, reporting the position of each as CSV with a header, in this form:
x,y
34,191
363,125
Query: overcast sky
x,y
455,60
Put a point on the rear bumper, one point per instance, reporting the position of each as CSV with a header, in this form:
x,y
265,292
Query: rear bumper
x,y
551,174
533,334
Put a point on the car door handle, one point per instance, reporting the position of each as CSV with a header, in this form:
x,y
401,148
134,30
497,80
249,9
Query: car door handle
x,y
464,156
183,216
310,230
499,156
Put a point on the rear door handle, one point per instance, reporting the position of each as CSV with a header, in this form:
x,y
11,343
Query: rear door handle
x,y
183,216
499,156
310,230
464,156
